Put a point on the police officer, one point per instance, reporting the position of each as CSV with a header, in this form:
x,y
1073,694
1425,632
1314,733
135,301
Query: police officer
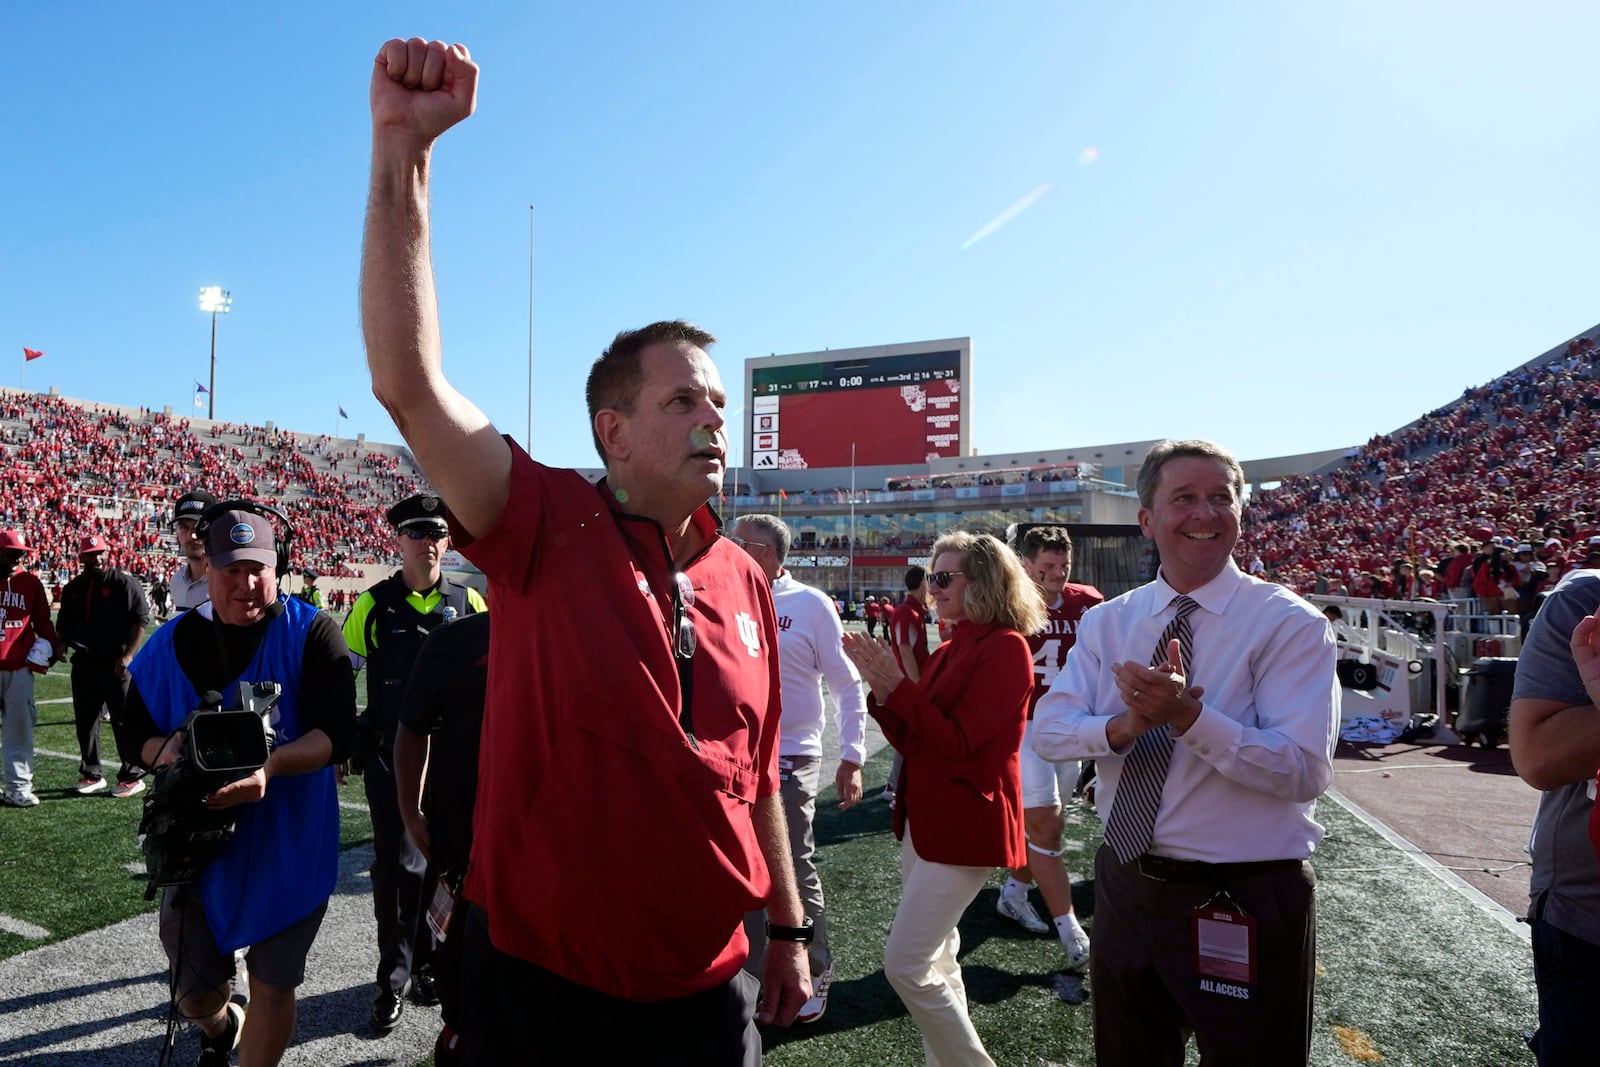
x,y
436,773
308,589
385,631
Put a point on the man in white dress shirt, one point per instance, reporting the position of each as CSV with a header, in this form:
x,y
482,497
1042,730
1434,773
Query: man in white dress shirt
x,y
810,650
1209,702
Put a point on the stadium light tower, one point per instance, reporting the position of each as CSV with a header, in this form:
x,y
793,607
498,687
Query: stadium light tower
x,y
214,298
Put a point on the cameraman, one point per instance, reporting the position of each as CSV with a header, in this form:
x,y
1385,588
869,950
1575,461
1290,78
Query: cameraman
x,y
269,886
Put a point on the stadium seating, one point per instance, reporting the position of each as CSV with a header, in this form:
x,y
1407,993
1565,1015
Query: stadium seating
x,y
69,468
1508,459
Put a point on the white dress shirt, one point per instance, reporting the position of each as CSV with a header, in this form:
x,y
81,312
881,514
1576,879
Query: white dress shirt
x,y
811,648
1245,776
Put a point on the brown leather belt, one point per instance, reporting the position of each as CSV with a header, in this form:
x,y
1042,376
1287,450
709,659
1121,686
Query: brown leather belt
x,y
1162,869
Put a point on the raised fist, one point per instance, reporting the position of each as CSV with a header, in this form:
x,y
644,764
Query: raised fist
x,y
422,87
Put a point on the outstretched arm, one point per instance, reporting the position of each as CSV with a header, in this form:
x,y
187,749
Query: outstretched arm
x,y
419,90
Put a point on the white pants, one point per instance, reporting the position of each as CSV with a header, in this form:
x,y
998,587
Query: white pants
x,y
920,957
18,716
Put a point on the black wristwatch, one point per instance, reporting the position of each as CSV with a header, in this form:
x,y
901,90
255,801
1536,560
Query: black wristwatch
x,y
801,933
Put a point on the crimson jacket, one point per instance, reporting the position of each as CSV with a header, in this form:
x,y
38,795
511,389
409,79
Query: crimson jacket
x,y
960,731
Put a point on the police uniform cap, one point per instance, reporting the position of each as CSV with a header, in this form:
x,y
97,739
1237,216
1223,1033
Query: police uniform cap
x,y
425,510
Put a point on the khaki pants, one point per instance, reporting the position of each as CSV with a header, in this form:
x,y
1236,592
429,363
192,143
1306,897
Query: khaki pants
x,y
920,957
800,776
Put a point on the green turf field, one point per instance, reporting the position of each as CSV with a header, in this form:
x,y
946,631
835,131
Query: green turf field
x,y
64,865
1413,974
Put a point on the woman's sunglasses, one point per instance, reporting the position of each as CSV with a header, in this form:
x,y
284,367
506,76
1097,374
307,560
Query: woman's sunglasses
x,y
942,579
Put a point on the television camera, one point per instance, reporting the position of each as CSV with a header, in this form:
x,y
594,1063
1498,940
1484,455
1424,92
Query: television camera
x,y
180,834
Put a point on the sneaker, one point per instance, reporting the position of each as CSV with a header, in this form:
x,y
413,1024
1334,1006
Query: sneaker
x,y
1076,942
105,716
1019,910
90,785
217,1051
20,800
129,789
812,1009
887,796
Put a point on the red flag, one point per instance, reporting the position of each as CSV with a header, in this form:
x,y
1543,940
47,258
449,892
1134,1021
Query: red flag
x,y
782,494
29,354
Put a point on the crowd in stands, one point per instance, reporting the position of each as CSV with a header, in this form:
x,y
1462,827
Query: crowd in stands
x,y
1511,463
1507,465
1053,472
69,469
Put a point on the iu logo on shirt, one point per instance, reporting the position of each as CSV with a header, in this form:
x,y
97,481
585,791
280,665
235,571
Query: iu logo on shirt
x,y
749,633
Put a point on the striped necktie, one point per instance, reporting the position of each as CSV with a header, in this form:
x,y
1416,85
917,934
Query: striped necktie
x,y
1131,825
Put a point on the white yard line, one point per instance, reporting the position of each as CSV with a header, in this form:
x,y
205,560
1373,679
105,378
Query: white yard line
x,y
23,929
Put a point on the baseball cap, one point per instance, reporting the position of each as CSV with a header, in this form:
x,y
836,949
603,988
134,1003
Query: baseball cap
x,y
12,540
1524,548
424,509
190,505
92,543
241,535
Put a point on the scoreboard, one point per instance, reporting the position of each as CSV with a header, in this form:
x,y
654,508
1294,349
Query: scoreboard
x,y
898,405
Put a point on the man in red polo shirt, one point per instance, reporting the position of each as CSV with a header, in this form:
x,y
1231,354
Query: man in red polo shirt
x,y
628,814
907,631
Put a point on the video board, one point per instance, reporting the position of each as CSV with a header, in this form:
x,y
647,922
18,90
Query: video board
x,y
896,404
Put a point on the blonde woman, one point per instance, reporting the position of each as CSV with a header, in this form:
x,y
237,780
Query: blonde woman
x,y
959,729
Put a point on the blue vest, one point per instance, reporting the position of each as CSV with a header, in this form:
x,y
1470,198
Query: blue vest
x,y
281,863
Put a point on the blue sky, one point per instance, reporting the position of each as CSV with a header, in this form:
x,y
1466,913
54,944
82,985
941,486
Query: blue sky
x,y
1306,223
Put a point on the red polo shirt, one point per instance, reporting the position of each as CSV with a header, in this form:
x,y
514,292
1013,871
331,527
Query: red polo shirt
x,y
909,623
610,846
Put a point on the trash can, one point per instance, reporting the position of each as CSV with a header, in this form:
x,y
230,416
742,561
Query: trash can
x,y
1486,705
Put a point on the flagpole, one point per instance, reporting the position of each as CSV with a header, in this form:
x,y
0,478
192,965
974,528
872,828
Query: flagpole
x,y
852,579
529,438
530,330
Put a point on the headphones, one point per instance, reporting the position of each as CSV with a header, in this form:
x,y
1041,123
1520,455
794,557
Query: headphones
x,y
284,538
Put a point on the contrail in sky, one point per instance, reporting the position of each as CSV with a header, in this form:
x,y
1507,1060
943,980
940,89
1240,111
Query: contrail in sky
x,y
1006,216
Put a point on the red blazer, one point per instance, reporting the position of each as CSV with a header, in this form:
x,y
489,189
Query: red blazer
x,y
960,731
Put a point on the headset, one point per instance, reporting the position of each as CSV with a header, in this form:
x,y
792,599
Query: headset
x,y
284,538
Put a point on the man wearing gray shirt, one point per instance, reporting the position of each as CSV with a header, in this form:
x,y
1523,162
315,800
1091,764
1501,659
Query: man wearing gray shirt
x,y
1555,745
189,585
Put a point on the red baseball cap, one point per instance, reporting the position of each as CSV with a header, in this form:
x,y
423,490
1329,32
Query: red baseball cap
x,y
10,539
92,543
